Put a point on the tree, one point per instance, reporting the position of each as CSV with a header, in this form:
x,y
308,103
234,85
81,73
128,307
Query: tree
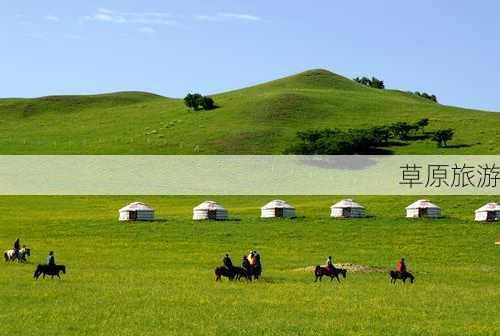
x,y
363,80
196,102
401,130
443,136
207,103
425,95
193,101
380,134
189,101
422,123
373,82
377,84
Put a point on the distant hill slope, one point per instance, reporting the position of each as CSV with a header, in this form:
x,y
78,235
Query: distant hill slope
x,y
262,119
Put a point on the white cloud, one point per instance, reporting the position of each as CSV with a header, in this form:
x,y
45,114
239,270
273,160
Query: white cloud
x,y
52,18
147,30
206,17
142,18
105,10
105,15
227,16
246,17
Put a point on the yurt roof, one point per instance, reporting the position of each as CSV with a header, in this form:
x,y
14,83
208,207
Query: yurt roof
x,y
422,204
278,204
489,207
209,205
135,206
347,203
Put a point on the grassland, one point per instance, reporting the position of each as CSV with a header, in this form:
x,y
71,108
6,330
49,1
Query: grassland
x,y
258,120
157,278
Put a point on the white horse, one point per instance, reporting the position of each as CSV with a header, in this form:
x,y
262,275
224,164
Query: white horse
x,y
10,255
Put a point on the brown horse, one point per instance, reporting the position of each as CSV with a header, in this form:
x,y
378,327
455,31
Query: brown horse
x,y
319,272
395,275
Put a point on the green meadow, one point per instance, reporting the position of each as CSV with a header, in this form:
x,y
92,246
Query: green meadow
x,y
262,119
157,278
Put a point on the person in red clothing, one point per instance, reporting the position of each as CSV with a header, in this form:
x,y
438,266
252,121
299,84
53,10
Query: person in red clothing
x,y
401,266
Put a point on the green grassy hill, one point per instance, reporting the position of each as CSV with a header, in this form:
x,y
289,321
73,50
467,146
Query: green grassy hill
x,y
258,120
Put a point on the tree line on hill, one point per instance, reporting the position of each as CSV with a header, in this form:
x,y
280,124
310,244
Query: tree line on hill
x,y
363,140
425,95
373,82
379,84
196,102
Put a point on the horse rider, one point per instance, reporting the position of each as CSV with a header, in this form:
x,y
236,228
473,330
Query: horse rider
x,y
401,266
329,263
16,248
227,262
51,261
257,258
251,258
258,265
245,264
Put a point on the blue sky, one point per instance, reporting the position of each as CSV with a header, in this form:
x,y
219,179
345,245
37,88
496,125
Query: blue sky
x,y
449,48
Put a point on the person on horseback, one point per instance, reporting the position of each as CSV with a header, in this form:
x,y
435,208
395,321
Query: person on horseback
x,y
16,248
227,262
257,258
245,264
51,261
329,263
401,266
258,266
251,258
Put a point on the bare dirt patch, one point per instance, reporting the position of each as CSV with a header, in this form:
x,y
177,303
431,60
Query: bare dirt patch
x,y
354,268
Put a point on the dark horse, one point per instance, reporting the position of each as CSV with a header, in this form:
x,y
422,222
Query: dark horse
x,y
49,270
395,275
240,272
257,270
223,272
319,272
235,273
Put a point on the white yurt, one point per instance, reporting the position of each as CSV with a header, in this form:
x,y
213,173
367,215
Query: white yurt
x,y
423,209
277,208
209,210
137,211
347,209
488,213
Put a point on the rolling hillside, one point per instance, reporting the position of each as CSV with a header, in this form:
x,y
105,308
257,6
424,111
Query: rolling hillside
x,y
258,120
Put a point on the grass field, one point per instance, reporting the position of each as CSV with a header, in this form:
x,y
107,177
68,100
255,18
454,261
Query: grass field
x,y
157,278
263,119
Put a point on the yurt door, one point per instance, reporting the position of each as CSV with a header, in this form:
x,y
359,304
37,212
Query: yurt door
x,y
278,212
212,214
422,212
132,215
490,216
346,212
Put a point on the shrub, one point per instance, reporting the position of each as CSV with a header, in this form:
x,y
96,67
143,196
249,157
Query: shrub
x,y
196,102
443,136
426,95
373,82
